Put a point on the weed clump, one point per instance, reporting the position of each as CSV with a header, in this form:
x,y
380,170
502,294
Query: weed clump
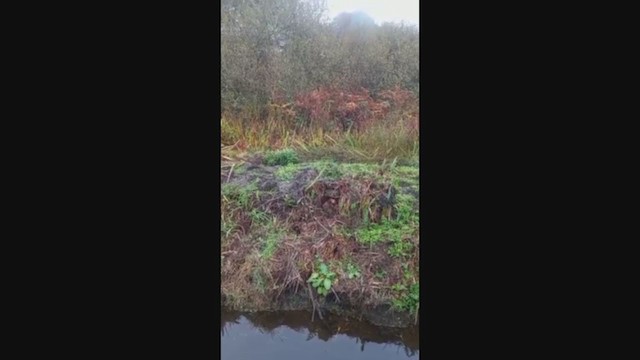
x,y
322,279
398,231
240,195
287,172
407,297
407,292
281,157
353,271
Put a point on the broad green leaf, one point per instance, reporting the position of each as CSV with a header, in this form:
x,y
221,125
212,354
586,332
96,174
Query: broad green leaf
x,y
327,284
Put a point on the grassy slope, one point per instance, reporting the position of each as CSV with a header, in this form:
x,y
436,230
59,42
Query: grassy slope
x,y
325,220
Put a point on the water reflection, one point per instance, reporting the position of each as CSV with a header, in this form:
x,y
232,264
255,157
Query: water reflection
x,y
292,329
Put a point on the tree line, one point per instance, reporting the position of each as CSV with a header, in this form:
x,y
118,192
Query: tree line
x,y
273,50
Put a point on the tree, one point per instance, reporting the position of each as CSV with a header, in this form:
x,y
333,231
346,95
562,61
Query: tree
x,y
279,48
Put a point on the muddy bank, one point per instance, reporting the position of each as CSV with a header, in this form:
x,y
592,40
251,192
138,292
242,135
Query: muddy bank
x,y
381,315
323,236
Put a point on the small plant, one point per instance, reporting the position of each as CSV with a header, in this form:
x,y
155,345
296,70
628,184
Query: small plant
x,y
407,275
258,280
322,280
243,196
400,248
406,213
391,231
333,171
281,157
227,226
408,298
288,172
397,231
259,217
380,274
239,170
271,240
353,271
359,169
290,201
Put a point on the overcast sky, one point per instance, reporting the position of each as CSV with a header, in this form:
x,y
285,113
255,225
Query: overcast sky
x,y
380,10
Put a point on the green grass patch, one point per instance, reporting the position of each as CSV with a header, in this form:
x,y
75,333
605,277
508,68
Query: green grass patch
x,y
242,169
359,169
405,176
407,291
270,241
258,280
380,274
407,172
376,233
240,195
332,170
407,297
329,168
400,248
259,217
288,172
281,157
227,226
397,232
406,209
353,271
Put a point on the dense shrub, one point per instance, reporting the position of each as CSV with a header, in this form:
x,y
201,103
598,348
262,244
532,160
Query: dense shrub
x,y
333,108
281,51
281,157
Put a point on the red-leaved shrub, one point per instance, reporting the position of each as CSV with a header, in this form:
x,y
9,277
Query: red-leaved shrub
x,y
333,108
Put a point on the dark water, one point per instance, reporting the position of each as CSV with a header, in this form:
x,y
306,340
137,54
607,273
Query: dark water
x,y
292,335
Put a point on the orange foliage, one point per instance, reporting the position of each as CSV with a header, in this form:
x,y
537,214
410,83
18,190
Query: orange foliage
x,y
333,108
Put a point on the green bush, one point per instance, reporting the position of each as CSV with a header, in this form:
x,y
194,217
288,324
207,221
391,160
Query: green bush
x,y
408,298
322,279
281,157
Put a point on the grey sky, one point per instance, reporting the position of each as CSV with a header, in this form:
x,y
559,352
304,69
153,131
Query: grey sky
x,y
380,10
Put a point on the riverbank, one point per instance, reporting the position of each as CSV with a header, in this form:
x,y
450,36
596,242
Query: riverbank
x,y
321,235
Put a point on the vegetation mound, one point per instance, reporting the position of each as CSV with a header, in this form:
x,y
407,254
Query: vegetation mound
x,y
334,233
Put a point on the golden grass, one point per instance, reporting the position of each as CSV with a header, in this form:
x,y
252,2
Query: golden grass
x,y
396,137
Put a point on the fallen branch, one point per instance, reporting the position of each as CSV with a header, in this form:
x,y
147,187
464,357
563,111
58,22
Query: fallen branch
x,y
230,172
319,243
336,294
314,180
313,302
319,223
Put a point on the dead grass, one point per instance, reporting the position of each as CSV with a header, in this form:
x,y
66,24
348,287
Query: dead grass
x,y
353,126
306,219
372,145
